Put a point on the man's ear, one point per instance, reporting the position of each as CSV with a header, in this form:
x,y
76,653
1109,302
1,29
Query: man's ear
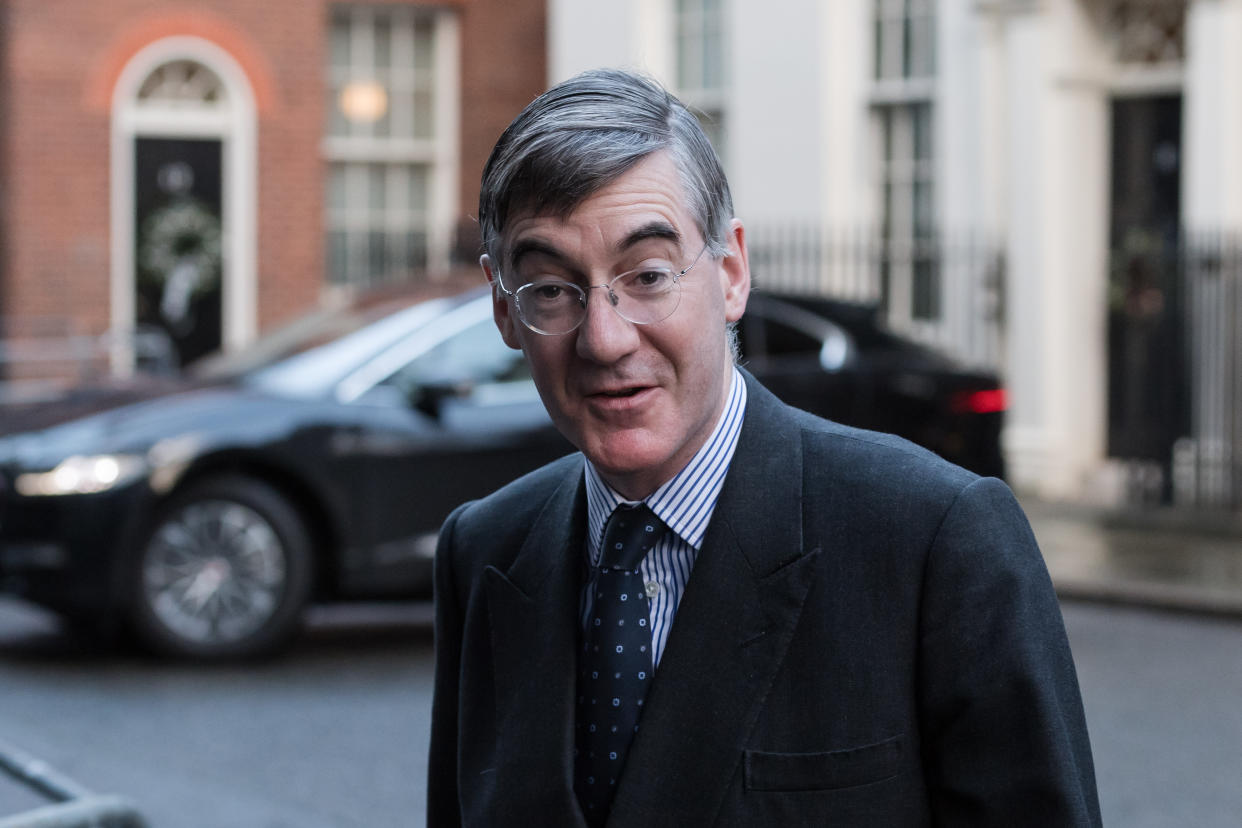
x,y
502,310
735,272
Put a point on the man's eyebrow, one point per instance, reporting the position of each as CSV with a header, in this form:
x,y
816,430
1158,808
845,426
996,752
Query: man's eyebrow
x,y
528,246
651,230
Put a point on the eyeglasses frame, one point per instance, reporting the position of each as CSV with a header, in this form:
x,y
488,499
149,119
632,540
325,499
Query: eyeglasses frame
x,y
612,296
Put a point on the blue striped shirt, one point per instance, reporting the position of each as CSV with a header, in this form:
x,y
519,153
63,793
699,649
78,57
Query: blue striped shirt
x,y
685,504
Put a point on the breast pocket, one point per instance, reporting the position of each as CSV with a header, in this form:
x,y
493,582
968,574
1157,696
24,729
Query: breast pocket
x,y
767,771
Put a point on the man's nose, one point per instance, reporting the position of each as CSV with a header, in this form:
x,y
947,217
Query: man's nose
x,y
604,336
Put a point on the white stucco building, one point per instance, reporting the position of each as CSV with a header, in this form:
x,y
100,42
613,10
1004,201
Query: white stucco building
x,y
1062,132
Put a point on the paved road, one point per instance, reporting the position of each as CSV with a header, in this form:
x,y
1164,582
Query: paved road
x,y
334,734
1163,696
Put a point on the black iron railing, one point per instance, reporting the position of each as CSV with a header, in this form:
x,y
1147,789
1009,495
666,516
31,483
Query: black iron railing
x,y
943,289
1175,368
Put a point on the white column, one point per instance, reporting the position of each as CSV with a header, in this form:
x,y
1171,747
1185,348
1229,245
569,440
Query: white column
x,y
1212,117
846,184
962,143
1057,210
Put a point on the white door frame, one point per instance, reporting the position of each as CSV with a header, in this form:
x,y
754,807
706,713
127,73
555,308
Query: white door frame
x,y
234,125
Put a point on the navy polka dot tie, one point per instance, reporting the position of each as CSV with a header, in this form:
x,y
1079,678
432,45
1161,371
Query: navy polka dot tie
x,y
615,664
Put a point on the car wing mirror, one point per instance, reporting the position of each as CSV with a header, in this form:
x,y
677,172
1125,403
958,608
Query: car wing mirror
x,y
430,398
837,352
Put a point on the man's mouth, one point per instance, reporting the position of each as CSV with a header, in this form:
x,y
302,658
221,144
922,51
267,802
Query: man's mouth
x,y
621,392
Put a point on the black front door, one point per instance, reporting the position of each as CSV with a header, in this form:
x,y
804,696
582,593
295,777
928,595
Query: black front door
x,y
1147,392
178,243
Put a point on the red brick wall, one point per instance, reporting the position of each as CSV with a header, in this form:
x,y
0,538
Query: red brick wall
x,y
59,62
506,71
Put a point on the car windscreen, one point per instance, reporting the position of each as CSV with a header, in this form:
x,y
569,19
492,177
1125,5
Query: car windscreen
x,y
308,356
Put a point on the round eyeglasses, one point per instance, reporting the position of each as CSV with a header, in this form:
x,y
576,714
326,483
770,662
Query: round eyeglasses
x,y
643,296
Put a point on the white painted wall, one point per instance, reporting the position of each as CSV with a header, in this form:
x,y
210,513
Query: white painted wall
x,y
1212,117
846,184
776,139
587,34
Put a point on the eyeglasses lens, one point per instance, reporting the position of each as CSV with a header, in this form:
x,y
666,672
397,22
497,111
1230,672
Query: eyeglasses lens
x,y
640,296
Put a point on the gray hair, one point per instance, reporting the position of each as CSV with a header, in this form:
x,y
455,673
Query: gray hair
x,y
581,135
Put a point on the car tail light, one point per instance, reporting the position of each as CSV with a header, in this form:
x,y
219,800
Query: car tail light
x,y
987,401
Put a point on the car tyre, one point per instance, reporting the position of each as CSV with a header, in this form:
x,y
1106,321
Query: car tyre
x,y
224,572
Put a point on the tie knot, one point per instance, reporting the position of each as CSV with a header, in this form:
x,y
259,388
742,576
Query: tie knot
x,y
631,532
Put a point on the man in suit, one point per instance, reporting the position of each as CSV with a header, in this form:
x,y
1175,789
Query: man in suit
x,y
836,627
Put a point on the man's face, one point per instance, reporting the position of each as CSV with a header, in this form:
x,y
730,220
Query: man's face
x,y
638,400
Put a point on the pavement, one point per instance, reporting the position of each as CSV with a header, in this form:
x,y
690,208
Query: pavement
x,y
1162,557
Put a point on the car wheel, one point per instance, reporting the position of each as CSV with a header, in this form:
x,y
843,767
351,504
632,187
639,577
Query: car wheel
x,y
223,573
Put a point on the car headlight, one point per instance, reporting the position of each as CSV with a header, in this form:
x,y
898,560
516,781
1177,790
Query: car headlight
x,y
82,475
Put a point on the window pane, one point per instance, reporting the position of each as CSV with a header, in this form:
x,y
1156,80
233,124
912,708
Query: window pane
x,y
418,189
382,128
338,258
336,187
712,29
713,127
922,47
924,212
886,218
377,188
925,296
423,47
922,131
907,42
878,43
713,57
686,60
337,124
383,42
424,124
377,255
415,250
340,36
886,128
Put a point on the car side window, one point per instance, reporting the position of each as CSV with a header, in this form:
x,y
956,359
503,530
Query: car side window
x,y
763,336
784,336
472,360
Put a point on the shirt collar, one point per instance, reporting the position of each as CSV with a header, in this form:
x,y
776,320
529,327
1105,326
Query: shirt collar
x,y
686,501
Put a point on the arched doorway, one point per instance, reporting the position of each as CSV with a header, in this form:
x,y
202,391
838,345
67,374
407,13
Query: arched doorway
x,y
183,201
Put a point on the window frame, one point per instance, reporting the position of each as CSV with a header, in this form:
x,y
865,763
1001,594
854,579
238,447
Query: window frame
x,y
904,114
693,21
399,219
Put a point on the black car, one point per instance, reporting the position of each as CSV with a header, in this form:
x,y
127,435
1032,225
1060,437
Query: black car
x,y
318,465
837,360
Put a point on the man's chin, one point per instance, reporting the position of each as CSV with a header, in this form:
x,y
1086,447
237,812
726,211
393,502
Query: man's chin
x,y
628,460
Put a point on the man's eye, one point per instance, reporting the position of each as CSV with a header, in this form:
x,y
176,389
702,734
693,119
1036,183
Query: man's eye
x,y
548,291
648,280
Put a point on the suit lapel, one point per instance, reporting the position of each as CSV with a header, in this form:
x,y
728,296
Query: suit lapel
x,y
533,611
731,632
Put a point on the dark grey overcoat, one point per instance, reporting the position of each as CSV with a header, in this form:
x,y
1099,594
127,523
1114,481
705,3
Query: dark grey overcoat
x,y
869,637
